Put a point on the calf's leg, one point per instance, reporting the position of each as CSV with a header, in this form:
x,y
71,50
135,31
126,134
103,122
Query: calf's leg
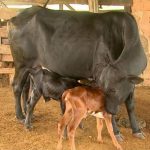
x,y
99,129
116,130
35,96
78,115
62,126
25,94
107,119
63,108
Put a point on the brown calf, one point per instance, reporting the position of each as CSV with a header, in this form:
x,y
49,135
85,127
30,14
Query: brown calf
x,y
81,101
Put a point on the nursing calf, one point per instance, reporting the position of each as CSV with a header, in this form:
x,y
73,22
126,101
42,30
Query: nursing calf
x,y
48,84
81,101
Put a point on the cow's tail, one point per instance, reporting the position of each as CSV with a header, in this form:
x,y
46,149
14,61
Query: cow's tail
x,y
45,3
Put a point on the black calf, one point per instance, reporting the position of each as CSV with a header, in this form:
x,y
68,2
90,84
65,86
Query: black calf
x,y
48,84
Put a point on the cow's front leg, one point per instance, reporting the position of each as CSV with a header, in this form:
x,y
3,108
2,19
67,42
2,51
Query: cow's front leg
x,y
116,130
35,96
134,125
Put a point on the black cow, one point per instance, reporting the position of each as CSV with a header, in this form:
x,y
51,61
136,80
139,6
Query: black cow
x,y
105,47
48,84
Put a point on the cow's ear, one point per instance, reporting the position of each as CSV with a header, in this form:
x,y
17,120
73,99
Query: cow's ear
x,y
135,79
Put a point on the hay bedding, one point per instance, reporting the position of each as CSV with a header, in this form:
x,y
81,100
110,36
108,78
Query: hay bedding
x,y
14,136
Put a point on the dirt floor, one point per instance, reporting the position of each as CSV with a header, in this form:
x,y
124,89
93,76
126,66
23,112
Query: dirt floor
x,y
14,136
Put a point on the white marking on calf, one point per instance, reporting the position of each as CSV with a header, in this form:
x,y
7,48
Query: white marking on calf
x,y
97,115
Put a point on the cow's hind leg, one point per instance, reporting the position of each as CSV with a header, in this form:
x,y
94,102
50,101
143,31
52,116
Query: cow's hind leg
x,y
134,125
18,83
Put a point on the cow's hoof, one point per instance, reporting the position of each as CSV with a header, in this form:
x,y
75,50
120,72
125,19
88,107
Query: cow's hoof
x,y
22,121
139,135
20,118
119,137
28,126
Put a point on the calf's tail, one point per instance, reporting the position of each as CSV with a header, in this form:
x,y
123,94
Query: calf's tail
x,y
64,96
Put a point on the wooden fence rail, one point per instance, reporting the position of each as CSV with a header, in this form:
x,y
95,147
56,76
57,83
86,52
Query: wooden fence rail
x,y
6,60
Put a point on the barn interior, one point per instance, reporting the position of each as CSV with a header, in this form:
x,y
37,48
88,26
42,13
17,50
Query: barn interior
x,y
9,8
13,135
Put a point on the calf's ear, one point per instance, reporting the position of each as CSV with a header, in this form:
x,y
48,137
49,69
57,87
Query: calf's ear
x,y
135,79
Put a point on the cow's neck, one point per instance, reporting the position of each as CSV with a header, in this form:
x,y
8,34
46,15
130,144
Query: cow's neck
x,y
97,71
132,63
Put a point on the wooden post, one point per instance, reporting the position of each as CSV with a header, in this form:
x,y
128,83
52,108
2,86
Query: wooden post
x,y
90,5
60,6
11,77
93,6
6,13
128,9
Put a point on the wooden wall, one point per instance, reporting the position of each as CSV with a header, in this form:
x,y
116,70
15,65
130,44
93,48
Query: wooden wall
x,y
141,11
6,60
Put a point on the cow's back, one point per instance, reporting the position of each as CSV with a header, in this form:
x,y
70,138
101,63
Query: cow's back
x,y
69,43
54,39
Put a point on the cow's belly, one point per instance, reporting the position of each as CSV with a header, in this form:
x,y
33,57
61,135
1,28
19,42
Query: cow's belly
x,y
74,64
70,59
69,51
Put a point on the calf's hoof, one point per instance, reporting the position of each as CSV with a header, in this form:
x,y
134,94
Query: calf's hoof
x,y
119,137
139,135
100,141
65,136
119,147
81,126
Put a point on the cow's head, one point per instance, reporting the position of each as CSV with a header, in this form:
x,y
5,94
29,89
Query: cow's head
x,y
117,86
